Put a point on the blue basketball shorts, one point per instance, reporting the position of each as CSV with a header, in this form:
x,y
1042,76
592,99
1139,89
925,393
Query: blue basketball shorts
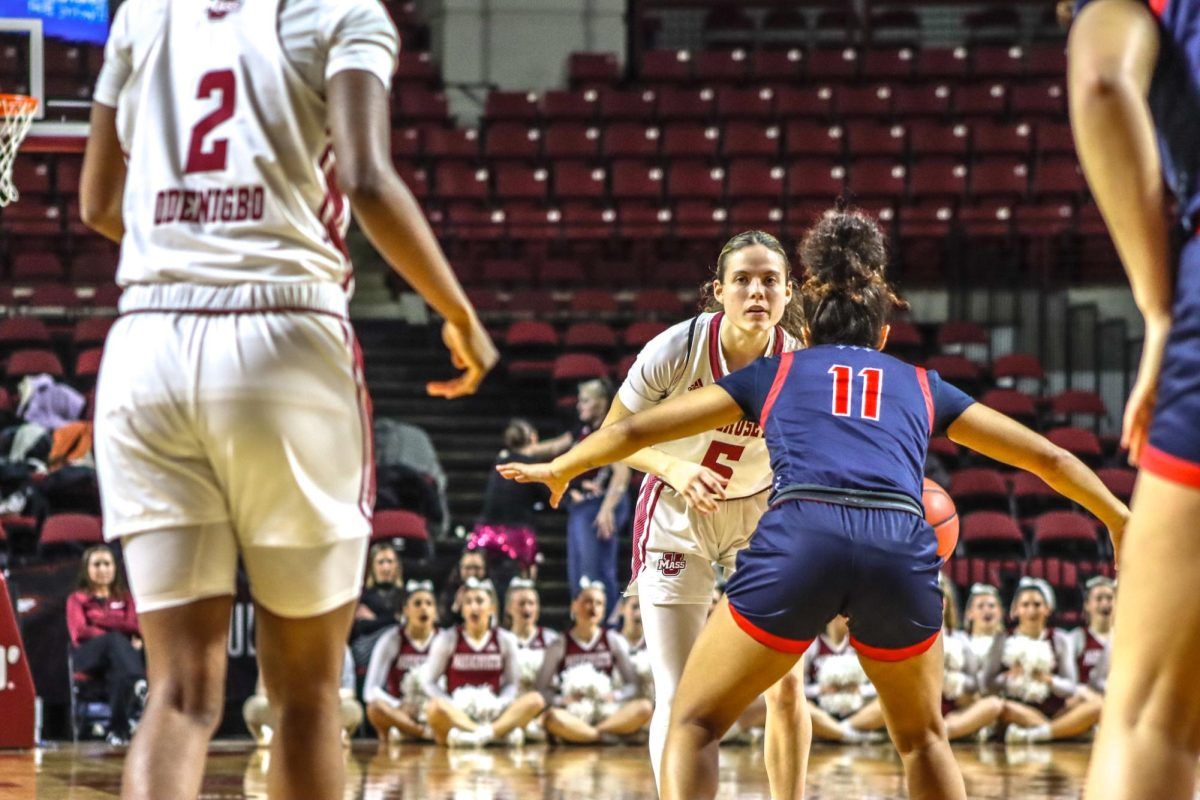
x,y
1173,451
809,561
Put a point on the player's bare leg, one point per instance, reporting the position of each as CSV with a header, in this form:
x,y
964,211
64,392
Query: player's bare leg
x,y
1149,739
1075,721
725,672
384,716
519,713
630,718
789,737
444,716
824,725
978,715
910,692
185,669
867,718
301,664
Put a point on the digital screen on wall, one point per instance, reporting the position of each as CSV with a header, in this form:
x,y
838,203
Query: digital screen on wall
x,y
73,20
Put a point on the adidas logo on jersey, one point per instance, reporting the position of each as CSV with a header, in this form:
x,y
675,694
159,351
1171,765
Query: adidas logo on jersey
x,y
695,385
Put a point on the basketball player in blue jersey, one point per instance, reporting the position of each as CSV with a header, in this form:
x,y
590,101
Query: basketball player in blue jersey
x,y
1134,80
847,428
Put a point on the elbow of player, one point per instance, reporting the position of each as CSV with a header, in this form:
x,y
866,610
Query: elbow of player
x,y
362,190
1054,463
91,213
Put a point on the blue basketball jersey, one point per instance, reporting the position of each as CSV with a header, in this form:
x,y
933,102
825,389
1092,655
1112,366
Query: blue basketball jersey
x,y
845,418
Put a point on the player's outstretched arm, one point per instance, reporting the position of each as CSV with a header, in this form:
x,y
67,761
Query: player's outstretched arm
x,y
700,486
695,412
102,184
1111,54
393,221
996,436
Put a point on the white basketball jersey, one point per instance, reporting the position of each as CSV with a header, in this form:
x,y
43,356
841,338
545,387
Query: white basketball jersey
x,y
230,173
684,358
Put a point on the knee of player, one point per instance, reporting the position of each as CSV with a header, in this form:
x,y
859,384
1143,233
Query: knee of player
x,y
785,693
916,738
535,701
642,707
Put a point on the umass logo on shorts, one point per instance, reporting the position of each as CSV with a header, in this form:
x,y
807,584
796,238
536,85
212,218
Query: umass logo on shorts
x,y
218,9
671,564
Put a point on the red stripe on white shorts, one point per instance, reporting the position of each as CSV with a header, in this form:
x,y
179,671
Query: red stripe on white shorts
x,y
647,500
366,492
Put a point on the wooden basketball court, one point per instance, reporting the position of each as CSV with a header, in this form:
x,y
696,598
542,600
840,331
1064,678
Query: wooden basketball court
x,y
236,770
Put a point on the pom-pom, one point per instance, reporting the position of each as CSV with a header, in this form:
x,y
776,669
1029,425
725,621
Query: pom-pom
x,y
1035,658
412,694
954,680
841,679
587,692
529,662
479,703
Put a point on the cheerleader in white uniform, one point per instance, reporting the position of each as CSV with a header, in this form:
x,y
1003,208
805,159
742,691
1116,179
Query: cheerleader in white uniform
x,y
841,701
480,701
392,689
577,675
1040,680
965,710
1093,640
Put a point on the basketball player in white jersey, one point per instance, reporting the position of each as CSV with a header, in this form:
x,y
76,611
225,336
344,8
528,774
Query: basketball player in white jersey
x,y
680,533
231,414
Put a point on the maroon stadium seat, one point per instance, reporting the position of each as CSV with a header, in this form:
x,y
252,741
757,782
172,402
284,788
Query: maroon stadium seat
x,y
871,138
1013,403
666,66
627,104
89,331
571,140
1002,176
690,140
1042,99
720,66
593,69
1065,532
997,62
887,63
416,105
18,332
777,66
87,363
642,220
561,271
564,105
452,144
455,181
740,105
988,98
1119,481
923,100
661,303
1058,177
690,104
994,138
532,303
815,178
832,64
750,139
754,178
1047,60
812,140
592,303
977,489
636,179
928,137
512,106
578,367
864,101
418,68
584,222
33,362
517,181
696,220
395,523
577,179
639,334
71,529
694,179
954,368
942,63
937,178
1054,137
508,271
630,140
1032,496
1009,369
1079,442
804,102
35,268
512,140
591,336
991,533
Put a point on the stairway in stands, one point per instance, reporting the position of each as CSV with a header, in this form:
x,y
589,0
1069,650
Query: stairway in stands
x,y
400,359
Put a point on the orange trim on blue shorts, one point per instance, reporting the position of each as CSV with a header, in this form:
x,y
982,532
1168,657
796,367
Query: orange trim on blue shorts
x,y
893,654
779,643
1172,468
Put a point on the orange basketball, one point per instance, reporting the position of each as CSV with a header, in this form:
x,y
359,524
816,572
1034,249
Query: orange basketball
x,y
941,514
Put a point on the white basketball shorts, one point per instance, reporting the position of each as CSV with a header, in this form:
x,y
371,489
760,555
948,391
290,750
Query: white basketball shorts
x,y
676,549
237,409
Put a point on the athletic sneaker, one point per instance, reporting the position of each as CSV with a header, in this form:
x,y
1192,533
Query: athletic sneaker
x,y
457,737
515,738
1017,734
394,736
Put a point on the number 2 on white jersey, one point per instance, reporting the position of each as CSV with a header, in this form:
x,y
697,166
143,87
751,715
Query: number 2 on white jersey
x,y
843,385
220,82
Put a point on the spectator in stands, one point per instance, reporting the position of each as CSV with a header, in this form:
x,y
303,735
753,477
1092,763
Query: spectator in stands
x,y
259,716
471,564
505,529
586,649
1092,641
1039,675
597,504
965,710
105,640
380,601
392,689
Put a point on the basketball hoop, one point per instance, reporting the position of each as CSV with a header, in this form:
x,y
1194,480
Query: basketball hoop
x,y
16,113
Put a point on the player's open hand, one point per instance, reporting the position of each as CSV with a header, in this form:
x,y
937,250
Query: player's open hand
x,y
472,351
1139,411
537,473
700,486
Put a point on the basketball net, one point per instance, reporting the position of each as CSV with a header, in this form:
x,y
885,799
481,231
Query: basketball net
x,y
16,114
